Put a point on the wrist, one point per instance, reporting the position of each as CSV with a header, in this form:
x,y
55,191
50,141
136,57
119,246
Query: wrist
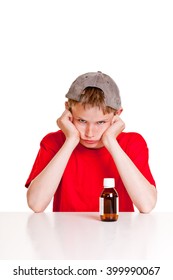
x,y
107,140
110,143
72,141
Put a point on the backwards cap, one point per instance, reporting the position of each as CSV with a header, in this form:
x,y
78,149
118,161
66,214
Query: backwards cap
x,y
98,80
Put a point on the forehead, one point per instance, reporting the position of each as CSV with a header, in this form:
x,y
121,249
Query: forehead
x,y
90,113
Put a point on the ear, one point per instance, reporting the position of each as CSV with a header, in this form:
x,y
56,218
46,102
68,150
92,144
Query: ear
x,y
119,111
66,105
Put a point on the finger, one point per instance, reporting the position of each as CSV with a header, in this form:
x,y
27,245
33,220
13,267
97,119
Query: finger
x,y
114,119
67,114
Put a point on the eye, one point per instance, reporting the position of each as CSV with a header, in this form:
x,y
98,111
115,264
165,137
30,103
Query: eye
x,y
81,121
100,122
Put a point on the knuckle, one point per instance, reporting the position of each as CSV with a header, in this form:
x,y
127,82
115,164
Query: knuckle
x,y
57,122
123,125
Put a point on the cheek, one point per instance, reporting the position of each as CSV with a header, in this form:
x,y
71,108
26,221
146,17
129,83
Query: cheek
x,y
105,127
79,127
101,129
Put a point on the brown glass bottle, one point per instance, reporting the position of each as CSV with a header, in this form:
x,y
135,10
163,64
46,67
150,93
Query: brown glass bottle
x,y
109,201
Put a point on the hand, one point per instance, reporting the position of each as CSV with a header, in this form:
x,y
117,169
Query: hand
x,y
116,127
66,125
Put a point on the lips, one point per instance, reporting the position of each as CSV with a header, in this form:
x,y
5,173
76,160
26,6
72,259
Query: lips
x,y
90,141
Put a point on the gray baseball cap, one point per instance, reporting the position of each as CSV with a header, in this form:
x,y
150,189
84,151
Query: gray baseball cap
x,y
98,80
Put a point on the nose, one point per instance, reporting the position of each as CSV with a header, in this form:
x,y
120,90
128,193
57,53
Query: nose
x,y
89,132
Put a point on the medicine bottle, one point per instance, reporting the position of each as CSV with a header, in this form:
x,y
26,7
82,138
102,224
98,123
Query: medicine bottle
x,y
109,206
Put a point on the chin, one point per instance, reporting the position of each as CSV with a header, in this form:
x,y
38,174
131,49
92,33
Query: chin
x,y
91,145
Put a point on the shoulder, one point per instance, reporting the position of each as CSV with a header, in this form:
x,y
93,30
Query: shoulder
x,y
131,139
54,136
53,140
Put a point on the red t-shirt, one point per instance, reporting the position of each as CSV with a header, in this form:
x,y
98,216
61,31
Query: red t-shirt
x,y
82,181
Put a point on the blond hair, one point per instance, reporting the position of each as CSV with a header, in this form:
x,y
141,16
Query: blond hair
x,y
92,97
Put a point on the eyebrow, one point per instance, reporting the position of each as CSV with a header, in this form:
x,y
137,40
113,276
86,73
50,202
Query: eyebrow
x,y
101,120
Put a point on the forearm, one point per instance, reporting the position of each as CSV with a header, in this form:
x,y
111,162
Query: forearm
x,y
43,187
141,192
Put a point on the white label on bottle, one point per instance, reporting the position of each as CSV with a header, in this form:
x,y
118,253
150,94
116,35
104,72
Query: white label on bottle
x,y
101,205
117,205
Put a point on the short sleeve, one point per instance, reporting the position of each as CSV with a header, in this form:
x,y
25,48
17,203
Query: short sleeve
x,y
49,146
138,151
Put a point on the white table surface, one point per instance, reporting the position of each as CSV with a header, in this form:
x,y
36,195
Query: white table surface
x,y
83,236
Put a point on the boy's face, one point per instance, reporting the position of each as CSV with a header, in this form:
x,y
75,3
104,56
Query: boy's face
x,y
91,124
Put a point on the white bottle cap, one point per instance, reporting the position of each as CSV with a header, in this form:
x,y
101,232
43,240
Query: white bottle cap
x,y
109,183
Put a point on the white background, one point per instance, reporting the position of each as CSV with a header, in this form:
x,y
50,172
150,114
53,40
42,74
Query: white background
x,y
45,45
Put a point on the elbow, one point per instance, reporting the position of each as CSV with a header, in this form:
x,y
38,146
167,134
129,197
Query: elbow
x,y
33,205
36,209
146,210
147,207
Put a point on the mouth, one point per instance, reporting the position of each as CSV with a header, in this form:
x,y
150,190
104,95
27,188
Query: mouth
x,y
90,141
